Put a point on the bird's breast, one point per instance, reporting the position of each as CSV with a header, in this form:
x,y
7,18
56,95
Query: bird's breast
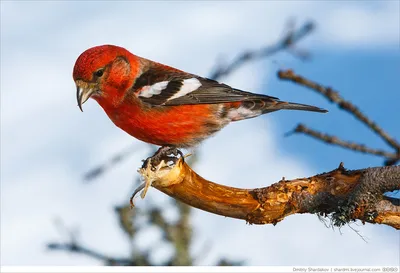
x,y
181,126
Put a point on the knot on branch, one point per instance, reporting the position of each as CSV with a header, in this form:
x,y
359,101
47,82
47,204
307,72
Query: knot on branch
x,y
362,202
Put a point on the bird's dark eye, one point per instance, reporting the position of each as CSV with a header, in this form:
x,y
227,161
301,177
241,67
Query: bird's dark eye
x,y
99,72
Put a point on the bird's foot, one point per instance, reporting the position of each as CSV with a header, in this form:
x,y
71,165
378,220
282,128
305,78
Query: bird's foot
x,y
169,154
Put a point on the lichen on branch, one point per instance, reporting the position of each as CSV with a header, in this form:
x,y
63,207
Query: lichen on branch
x,y
342,195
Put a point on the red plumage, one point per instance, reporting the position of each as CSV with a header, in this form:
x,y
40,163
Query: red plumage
x,y
162,105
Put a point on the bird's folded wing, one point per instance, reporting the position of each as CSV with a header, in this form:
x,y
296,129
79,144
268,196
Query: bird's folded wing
x,y
173,87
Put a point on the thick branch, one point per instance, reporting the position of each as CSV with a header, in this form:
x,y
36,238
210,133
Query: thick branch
x,y
343,195
333,96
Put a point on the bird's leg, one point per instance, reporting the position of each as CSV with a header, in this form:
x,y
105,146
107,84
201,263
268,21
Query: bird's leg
x,y
166,153
168,150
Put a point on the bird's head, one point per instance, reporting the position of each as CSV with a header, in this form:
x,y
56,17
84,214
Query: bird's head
x,y
104,73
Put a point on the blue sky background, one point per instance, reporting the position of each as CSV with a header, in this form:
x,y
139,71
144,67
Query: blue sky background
x,y
47,143
368,79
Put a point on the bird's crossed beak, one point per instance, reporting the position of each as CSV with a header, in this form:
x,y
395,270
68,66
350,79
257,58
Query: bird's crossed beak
x,y
83,92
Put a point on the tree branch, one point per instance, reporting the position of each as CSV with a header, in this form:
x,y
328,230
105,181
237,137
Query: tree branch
x,y
333,96
291,37
116,159
301,128
75,248
342,195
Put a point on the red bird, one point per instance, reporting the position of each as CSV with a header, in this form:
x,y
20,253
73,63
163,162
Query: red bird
x,y
162,105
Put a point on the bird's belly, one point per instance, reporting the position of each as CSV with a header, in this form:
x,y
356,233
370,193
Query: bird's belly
x,y
180,126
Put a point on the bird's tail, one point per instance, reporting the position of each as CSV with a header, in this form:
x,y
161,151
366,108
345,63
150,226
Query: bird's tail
x,y
283,105
253,108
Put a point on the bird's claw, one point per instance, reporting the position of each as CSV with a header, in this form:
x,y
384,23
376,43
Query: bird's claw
x,y
165,153
138,189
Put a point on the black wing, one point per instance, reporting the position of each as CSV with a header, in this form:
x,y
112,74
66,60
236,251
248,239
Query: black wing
x,y
174,87
212,91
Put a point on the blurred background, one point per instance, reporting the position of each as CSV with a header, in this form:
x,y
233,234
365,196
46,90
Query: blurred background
x,y
48,145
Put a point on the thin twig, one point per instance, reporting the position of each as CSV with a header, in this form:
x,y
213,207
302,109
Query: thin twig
x,y
75,248
333,96
291,37
301,128
118,158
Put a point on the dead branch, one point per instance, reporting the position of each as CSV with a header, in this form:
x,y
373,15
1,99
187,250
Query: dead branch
x,y
288,40
340,194
76,248
110,163
301,128
333,96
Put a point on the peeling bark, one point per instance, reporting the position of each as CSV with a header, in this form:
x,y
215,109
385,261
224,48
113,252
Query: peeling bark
x,y
340,194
